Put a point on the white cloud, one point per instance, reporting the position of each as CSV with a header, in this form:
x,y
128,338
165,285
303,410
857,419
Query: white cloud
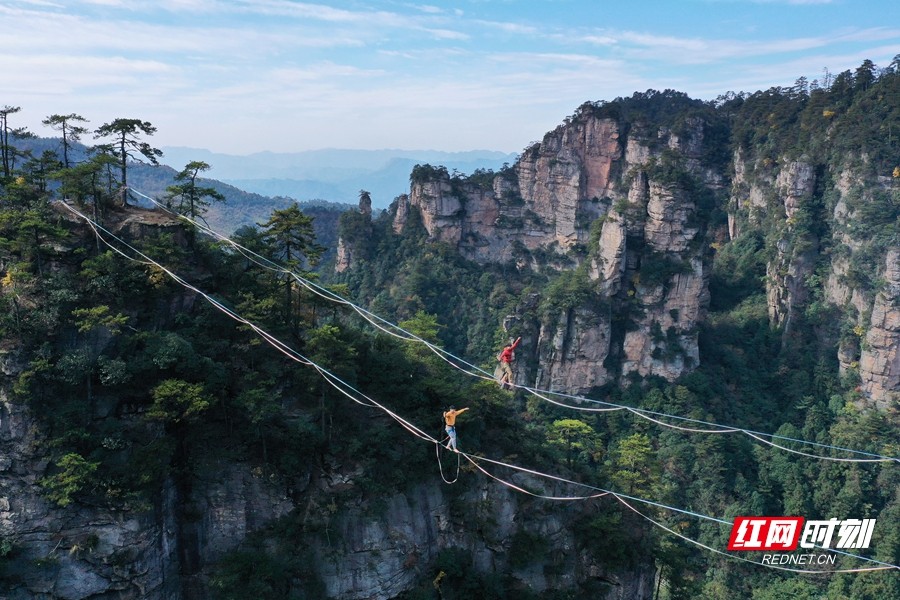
x,y
286,75
509,27
447,34
427,8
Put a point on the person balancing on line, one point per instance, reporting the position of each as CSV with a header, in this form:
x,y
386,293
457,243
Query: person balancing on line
x,y
450,425
505,357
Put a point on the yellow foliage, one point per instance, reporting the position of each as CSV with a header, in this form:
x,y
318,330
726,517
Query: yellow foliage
x,y
828,113
156,276
896,172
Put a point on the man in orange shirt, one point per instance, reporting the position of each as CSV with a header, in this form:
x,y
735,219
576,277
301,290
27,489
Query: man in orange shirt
x,y
450,425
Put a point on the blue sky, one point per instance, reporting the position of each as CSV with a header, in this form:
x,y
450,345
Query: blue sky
x,y
279,75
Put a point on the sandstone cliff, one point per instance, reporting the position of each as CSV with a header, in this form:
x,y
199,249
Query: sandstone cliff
x,y
166,552
822,252
376,556
628,204
639,187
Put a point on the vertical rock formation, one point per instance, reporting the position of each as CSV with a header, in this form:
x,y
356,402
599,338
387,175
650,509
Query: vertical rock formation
x,y
376,557
359,227
637,186
80,551
879,363
799,207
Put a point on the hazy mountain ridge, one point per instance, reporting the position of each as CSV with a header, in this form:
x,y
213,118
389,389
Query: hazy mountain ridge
x,y
333,174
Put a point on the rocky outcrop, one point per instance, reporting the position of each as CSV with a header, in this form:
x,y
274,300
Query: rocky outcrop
x,y
84,551
541,212
572,352
766,196
788,198
879,363
608,263
79,551
344,257
369,556
355,234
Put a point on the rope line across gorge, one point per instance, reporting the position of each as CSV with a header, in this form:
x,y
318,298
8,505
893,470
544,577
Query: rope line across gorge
x,y
355,395
461,364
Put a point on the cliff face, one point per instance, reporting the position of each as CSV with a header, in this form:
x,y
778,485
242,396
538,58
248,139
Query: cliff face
x,y
648,258
168,544
548,200
630,203
368,556
869,303
350,251
361,552
81,551
768,198
821,251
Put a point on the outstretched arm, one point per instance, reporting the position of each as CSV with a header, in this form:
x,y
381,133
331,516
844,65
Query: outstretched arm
x,y
516,343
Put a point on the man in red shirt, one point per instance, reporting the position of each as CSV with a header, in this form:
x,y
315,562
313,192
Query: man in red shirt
x,y
506,357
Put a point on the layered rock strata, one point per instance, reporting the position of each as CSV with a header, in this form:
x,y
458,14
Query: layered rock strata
x,y
648,258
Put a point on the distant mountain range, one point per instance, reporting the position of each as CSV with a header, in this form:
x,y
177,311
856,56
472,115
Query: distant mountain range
x,y
331,174
324,182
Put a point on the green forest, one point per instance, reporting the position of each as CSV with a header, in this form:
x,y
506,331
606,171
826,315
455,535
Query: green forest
x,y
135,381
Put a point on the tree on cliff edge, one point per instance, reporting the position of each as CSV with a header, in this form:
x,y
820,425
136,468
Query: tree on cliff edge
x,y
191,199
7,151
71,132
290,239
125,133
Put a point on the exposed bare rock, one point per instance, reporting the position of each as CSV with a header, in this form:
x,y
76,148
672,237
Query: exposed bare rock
x,y
86,551
92,551
441,209
764,191
572,352
608,265
357,246
879,363
550,199
375,557
585,170
747,192
669,212
401,212
344,257
795,184
665,341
